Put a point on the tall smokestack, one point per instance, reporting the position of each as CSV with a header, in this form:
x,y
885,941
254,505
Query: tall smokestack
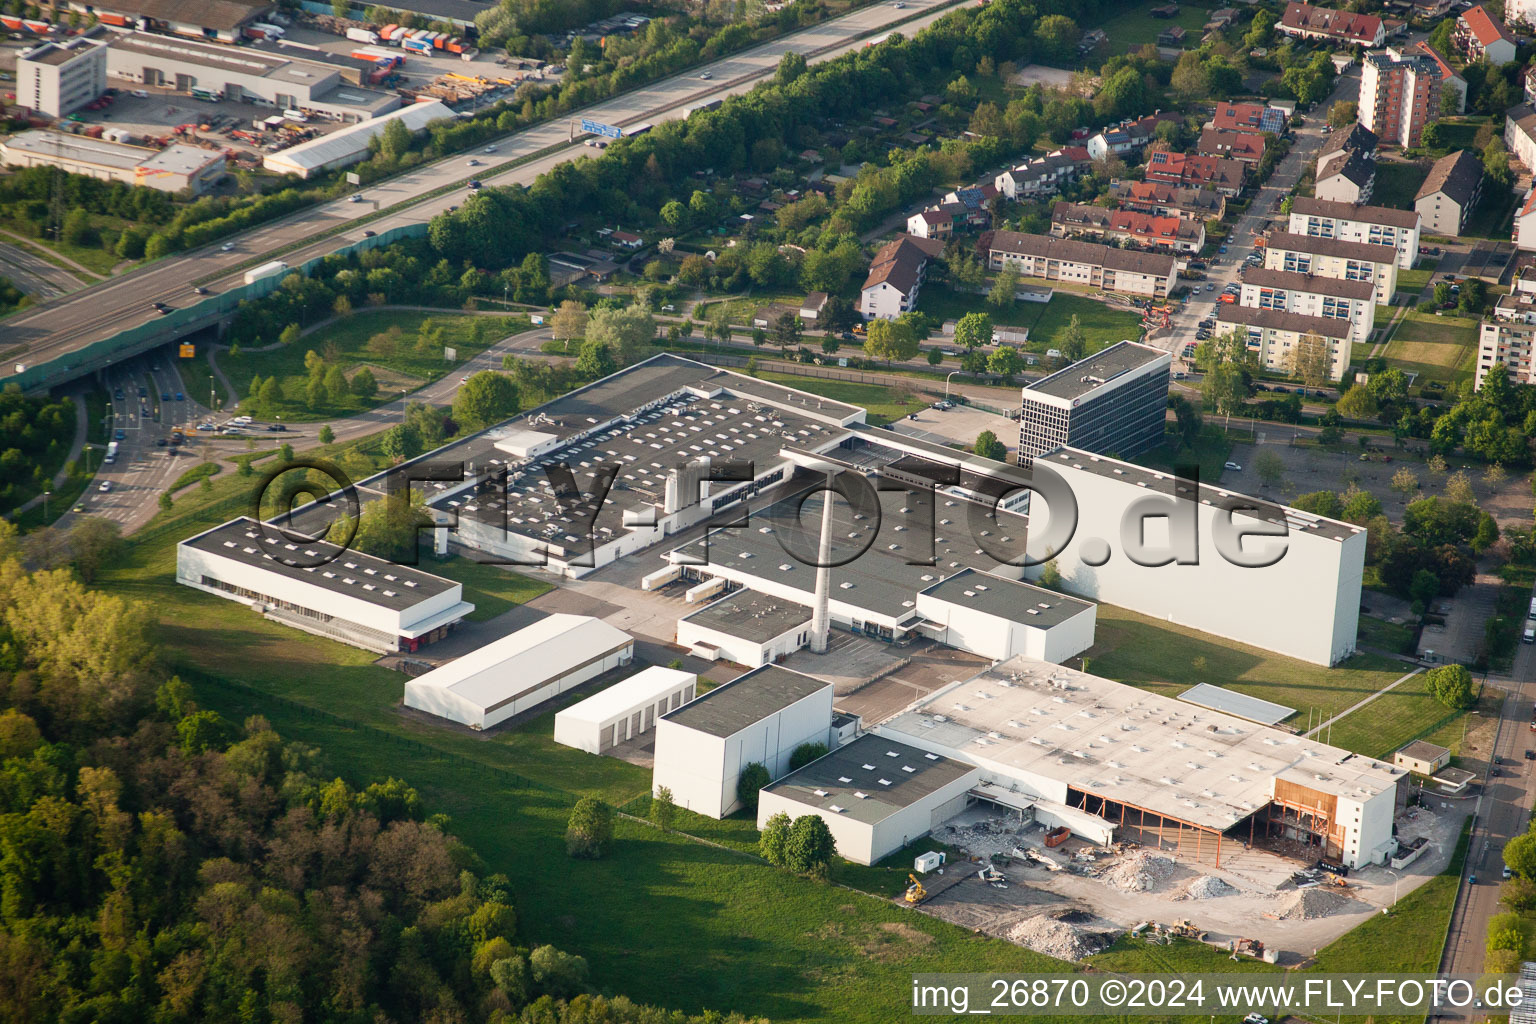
x,y
820,623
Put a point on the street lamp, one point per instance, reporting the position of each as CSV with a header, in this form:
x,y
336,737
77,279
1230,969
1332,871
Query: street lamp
x,y
87,451
946,383
46,495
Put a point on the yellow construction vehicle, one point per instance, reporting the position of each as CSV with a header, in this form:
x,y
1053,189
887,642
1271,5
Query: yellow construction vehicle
x,y
915,893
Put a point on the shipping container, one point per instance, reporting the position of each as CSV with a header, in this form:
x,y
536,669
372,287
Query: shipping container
x,y
388,32
11,22
440,40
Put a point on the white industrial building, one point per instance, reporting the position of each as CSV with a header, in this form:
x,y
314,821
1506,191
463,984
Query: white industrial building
x,y
313,81
321,588
59,78
875,794
999,618
749,628
521,670
349,145
669,424
172,169
625,710
1108,760
1298,594
761,717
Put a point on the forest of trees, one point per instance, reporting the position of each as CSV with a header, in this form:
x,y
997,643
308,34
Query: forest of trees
x,y
158,863
34,437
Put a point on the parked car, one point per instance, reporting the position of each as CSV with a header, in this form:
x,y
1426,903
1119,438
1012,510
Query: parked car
x,y
227,246
119,435
1234,467
1222,250
490,149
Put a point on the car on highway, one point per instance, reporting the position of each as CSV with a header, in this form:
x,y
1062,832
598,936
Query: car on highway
x,y
276,428
180,397
490,149
474,186
706,76
106,485
476,163
78,508
369,234
227,246
120,435
165,396
1234,467
199,290
354,198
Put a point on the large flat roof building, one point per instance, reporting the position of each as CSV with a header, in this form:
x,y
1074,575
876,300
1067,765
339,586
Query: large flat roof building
x,y
1104,758
1114,401
321,588
521,670
172,169
1298,574
223,20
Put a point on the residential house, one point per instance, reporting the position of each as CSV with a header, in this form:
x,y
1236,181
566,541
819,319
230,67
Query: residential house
x,y
1244,146
1336,258
1274,336
1173,35
1520,12
1304,21
1524,233
1351,179
625,240
1352,302
1450,193
1399,95
1508,335
1065,259
1430,10
1520,133
935,223
896,276
1075,220
1354,222
1341,142
1044,175
1195,171
971,204
1128,137
1255,118
1478,35
1157,198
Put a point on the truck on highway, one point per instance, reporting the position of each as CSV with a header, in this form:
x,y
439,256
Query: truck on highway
x,y
362,35
265,270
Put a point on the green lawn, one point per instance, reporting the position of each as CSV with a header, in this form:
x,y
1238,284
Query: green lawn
x,y
405,364
884,403
1417,279
1167,659
492,589
1436,347
740,308
1397,183
1133,28
1102,324
1387,636
1457,133
1494,215
1392,720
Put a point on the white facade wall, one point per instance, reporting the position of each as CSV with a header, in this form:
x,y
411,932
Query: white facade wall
x,y
702,770
1522,146
1340,189
870,842
1382,275
443,702
597,723
1276,348
998,638
193,564
1306,605
1362,312
1406,240
884,301
1367,828
57,89
740,650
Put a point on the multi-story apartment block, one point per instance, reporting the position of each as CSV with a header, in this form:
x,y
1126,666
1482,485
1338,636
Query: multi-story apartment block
x,y
895,277
1332,257
1450,193
1353,222
1353,302
1508,335
1276,337
1399,95
1066,259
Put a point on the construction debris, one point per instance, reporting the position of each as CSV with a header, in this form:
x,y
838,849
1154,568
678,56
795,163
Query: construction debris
x,y
1316,902
1055,937
1141,871
1207,887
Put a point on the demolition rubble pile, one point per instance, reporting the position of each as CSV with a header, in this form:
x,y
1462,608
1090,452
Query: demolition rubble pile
x,y
1141,871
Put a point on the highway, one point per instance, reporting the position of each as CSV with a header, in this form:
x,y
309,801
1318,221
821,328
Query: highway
x,y
58,327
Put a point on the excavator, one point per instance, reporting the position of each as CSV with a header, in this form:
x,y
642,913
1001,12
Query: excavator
x,y
915,893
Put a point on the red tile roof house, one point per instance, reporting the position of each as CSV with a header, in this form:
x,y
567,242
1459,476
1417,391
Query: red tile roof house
x,y
1305,21
1256,118
1225,176
625,239
1244,146
1478,35
935,223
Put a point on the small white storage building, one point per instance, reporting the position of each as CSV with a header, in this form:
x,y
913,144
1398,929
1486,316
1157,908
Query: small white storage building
x,y
762,717
749,628
625,710
875,794
521,670
999,618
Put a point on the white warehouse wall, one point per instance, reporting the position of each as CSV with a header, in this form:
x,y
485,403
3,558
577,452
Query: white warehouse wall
x,y
869,843
992,636
1306,605
742,651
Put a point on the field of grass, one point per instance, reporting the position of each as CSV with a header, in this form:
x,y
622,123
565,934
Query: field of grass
x,y
1494,215
1397,183
1102,324
1133,27
1417,279
740,308
884,403
1168,659
492,589
1436,347
1387,636
1392,720
348,339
